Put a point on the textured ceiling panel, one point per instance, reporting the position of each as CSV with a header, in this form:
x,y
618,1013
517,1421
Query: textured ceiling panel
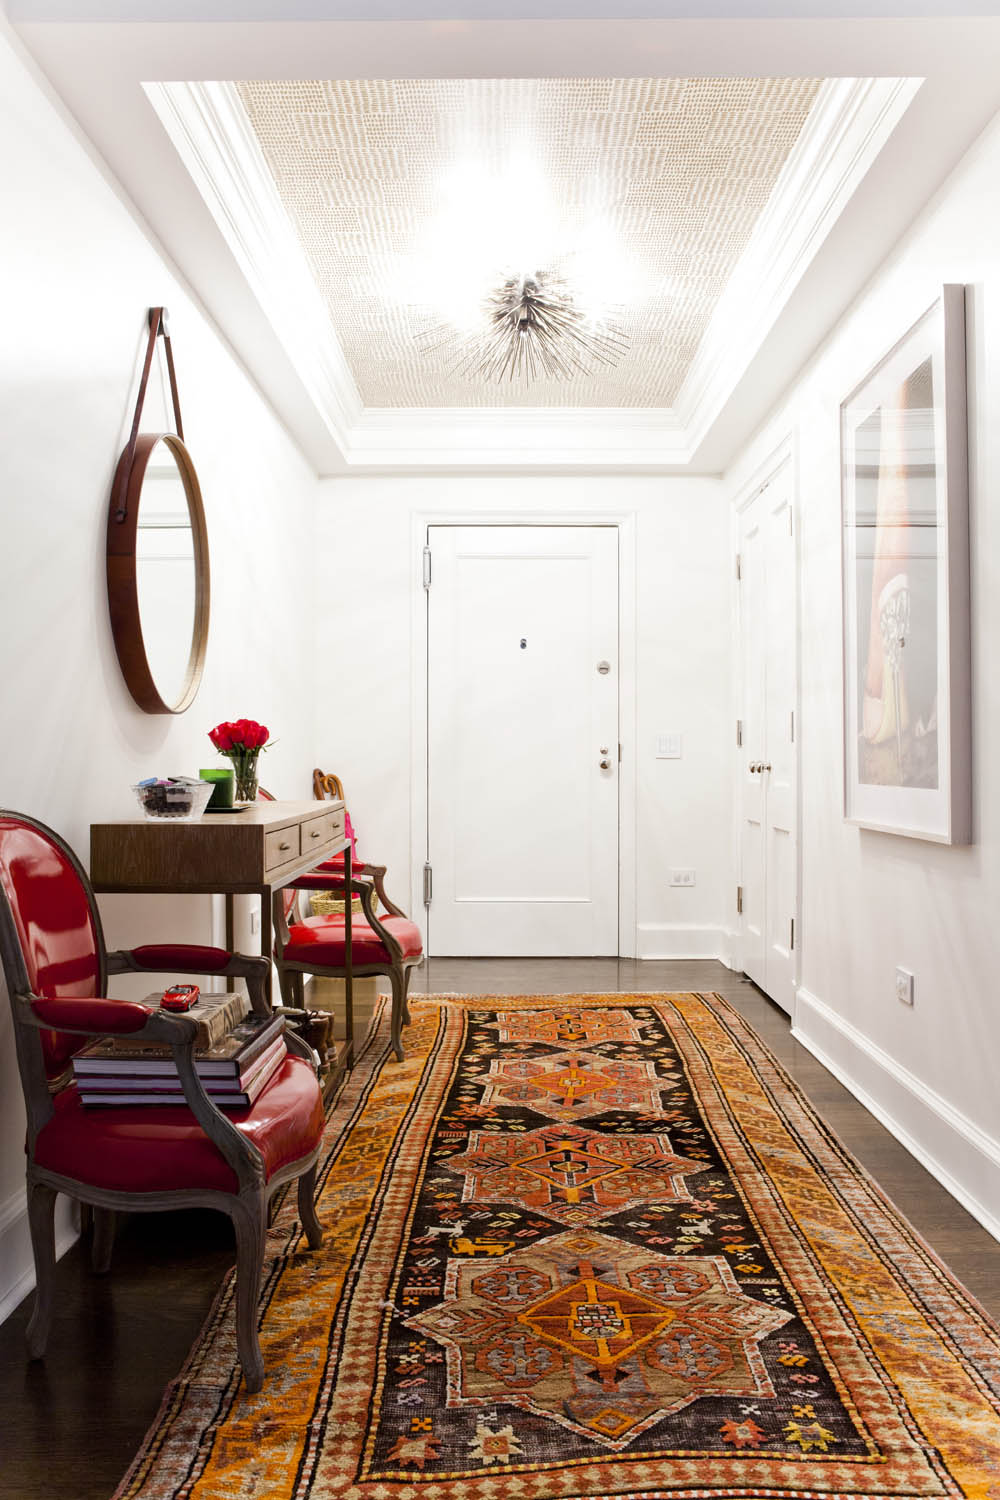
x,y
415,196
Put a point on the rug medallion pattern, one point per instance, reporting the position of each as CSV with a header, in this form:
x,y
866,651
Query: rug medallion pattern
x,y
585,1249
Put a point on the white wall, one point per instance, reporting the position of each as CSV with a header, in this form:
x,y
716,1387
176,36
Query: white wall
x,y
874,901
76,277
369,547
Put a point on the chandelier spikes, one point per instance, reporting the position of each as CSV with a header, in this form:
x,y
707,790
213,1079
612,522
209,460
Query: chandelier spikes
x,y
533,328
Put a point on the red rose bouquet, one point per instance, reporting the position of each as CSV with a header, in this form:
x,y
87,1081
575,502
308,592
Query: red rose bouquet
x,y
241,740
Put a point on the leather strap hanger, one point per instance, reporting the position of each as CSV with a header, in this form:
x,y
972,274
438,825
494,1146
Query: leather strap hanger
x,y
157,329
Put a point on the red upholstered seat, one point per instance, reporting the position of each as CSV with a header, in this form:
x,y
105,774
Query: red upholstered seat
x,y
153,1150
320,940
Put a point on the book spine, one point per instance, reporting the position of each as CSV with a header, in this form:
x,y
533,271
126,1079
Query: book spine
x,y
155,1063
169,1083
232,1066
229,1098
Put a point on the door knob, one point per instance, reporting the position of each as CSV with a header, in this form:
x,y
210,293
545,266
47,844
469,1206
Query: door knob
x,y
765,768
754,767
605,763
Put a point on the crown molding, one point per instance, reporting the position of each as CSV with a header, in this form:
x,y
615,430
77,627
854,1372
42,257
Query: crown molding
x,y
210,131
847,128
208,126
563,438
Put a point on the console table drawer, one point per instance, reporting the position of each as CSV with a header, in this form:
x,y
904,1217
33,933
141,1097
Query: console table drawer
x,y
319,832
281,846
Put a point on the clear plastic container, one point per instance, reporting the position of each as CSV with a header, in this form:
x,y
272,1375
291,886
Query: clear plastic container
x,y
180,801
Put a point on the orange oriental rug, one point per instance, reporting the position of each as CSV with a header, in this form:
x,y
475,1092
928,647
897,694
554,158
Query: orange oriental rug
x,y
588,1246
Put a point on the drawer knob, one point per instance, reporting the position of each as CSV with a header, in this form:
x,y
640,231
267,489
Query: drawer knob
x,y
284,846
315,835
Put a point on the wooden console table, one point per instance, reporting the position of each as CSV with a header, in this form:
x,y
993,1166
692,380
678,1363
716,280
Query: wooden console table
x,y
253,853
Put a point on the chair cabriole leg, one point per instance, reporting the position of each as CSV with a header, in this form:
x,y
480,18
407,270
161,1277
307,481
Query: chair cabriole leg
x,y
287,988
249,1215
307,1208
103,1241
42,1225
398,1009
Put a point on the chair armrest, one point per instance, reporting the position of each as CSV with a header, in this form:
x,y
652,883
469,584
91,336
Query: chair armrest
x,y
91,1015
359,867
179,1033
193,958
377,872
373,878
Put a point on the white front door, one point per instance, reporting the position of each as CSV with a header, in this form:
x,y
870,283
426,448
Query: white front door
x,y
522,715
767,772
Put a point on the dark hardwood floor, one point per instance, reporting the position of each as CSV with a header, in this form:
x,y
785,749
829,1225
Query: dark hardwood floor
x,y
72,1423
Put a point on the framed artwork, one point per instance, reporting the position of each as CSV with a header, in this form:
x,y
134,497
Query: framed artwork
x,y
905,526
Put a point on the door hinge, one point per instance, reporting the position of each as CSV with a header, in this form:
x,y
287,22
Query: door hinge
x,y
739,899
791,938
791,521
792,735
739,568
619,752
739,733
428,884
427,567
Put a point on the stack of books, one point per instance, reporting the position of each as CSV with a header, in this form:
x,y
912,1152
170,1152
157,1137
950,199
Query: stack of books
x,y
236,1054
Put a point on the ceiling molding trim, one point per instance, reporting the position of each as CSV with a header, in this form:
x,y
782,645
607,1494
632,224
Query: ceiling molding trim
x,y
209,129
847,128
521,437
845,131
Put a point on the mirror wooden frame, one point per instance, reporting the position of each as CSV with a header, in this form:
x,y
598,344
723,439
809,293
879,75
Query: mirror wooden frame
x,y
123,523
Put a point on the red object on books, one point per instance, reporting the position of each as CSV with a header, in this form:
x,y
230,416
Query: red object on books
x,y
179,997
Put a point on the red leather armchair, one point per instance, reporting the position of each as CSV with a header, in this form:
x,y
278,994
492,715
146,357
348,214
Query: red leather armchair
x,y
148,1157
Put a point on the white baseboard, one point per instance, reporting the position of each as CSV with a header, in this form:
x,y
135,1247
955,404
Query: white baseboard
x,y
958,1153
731,951
17,1268
662,940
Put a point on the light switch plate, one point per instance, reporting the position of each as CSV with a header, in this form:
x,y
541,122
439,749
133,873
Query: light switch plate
x,y
904,986
667,746
682,877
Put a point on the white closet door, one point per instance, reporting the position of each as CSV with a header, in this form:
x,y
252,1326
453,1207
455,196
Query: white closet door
x,y
523,740
753,620
768,768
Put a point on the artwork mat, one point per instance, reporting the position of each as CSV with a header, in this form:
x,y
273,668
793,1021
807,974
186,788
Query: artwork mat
x,y
942,814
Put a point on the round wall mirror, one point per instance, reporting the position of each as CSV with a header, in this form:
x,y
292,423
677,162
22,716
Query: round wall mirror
x,y
158,577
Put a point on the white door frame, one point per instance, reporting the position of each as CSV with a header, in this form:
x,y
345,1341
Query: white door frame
x,y
625,522
785,454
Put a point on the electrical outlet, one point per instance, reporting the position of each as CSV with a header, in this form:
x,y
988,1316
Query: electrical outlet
x,y
904,986
682,877
254,922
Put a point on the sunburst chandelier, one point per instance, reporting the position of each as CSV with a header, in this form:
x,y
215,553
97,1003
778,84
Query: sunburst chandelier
x,y
532,327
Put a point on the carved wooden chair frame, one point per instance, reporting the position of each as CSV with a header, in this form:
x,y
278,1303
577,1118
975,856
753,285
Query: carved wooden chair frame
x,y
247,1207
399,969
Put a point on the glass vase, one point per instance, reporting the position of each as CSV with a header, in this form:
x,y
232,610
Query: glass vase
x,y
245,789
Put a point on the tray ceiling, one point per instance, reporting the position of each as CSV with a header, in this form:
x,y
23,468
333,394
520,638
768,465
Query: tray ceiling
x,y
407,196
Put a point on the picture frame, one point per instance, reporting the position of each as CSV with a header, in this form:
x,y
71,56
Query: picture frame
x,y
906,605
